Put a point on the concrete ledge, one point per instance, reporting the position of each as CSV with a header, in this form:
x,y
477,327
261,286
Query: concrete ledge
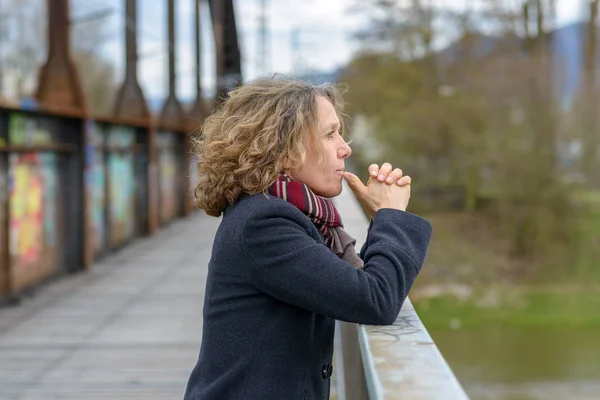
x,y
400,361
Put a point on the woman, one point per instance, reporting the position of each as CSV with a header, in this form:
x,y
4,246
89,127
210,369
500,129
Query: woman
x,y
282,267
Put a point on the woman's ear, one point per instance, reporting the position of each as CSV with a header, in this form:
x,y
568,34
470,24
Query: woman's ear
x,y
286,163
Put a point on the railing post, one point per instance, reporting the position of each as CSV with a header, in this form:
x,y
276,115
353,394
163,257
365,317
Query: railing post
x,y
59,90
6,286
131,102
171,123
152,179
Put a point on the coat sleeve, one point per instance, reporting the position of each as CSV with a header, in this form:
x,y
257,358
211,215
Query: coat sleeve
x,y
285,262
365,244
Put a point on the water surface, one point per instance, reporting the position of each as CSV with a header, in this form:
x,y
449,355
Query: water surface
x,y
498,362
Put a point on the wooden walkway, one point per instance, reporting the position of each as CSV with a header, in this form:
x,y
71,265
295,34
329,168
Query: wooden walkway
x,y
129,329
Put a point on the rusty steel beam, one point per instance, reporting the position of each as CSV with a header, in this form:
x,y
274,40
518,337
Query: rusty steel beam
x,y
130,101
229,68
198,111
59,87
172,115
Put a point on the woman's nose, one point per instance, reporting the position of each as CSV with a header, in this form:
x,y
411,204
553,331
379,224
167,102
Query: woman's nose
x,y
344,151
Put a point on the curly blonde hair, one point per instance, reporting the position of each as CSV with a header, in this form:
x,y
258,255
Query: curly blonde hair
x,y
260,130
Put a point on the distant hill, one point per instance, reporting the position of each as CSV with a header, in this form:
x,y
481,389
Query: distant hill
x,y
313,77
318,77
482,45
566,43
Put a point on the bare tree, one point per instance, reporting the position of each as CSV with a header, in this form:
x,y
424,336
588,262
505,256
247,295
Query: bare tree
x,y
590,139
23,48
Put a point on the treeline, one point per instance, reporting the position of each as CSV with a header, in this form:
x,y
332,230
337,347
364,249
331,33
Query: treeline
x,y
481,120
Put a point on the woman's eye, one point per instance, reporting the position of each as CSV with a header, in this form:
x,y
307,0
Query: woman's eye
x,y
330,135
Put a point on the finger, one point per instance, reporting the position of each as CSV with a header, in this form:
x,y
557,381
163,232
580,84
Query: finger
x,y
394,176
355,183
373,170
385,170
405,180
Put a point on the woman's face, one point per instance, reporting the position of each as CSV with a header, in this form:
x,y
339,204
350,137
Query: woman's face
x,y
325,179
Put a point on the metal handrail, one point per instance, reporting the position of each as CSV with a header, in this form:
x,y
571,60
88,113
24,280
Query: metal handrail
x,y
399,361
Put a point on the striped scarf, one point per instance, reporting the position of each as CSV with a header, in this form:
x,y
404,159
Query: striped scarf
x,y
322,213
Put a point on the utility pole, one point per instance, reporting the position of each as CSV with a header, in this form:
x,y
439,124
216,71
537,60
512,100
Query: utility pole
x,y
264,54
591,139
296,50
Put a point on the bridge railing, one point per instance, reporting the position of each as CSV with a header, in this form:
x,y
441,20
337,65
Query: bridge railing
x,y
399,361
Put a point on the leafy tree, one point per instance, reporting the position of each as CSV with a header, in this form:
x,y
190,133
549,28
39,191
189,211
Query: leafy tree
x,y
481,115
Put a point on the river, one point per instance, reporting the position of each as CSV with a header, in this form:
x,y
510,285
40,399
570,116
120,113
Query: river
x,y
514,363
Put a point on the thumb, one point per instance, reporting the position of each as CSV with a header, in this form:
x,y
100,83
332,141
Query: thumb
x,y
355,183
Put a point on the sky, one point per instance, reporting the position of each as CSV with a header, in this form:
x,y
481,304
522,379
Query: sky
x,y
303,35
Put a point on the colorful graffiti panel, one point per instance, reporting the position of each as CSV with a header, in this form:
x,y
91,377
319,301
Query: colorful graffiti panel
x,y
3,198
33,186
33,202
170,175
122,186
26,131
96,185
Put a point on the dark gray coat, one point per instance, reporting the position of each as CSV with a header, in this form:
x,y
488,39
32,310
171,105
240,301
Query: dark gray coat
x,y
274,290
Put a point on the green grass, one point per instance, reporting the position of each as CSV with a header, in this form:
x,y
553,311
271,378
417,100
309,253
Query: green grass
x,y
586,252
560,306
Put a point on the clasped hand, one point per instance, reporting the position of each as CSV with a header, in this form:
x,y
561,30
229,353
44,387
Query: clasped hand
x,y
386,188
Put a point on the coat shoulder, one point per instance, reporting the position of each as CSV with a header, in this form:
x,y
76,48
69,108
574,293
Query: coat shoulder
x,y
251,208
262,206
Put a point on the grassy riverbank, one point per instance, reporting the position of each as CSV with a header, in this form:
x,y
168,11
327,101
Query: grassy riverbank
x,y
461,306
469,280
